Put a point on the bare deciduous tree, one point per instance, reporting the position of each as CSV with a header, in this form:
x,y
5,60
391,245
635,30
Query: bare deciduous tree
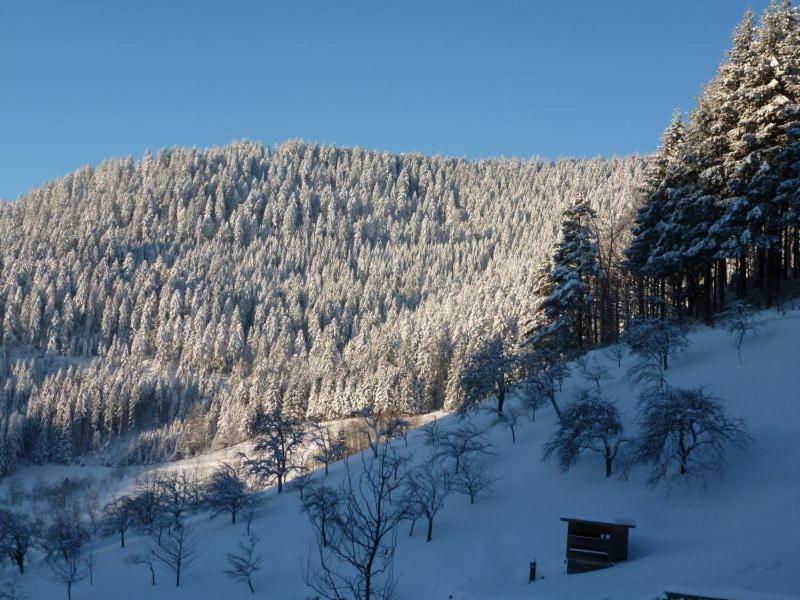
x,y
616,352
145,559
176,548
328,447
146,503
245,563
685,433
397,427
594,372
489,372
510,419
654,341
463,441
18,533
64,542
545,371
531,400
320,502
180,493
90,562
433,434
249,514
374,429
302,481
474,479
91,505
357,561
10,590
740,319
226,490
427,487
589,423
118,517
67,570
278,447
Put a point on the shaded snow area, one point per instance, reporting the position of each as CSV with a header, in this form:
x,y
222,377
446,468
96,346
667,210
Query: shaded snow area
x,y
739,536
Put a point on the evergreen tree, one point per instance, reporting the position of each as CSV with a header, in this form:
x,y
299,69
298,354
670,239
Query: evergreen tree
x,y
568,308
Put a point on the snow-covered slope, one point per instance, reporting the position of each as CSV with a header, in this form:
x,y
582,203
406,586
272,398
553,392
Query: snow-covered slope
x,y
739,534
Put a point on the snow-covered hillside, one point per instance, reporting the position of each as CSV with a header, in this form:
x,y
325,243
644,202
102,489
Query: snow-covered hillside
x,y
203,285
739,533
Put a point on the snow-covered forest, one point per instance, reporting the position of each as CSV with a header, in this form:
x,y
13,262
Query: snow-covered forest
x,y
721,210
330,347
159,307
177,296
729,541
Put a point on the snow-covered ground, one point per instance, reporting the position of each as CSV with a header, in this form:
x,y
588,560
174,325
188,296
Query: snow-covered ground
x,y
739,535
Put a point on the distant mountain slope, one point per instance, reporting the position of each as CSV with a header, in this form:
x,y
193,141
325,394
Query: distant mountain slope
x,y
216,281
731,538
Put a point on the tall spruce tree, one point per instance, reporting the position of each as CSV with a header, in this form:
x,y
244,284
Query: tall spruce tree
x,y
653,210
568,308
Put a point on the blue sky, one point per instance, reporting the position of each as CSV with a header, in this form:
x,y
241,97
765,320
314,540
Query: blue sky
x,y
83,80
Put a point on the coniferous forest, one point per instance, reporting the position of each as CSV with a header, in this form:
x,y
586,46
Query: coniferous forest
x,y
164,303
161,307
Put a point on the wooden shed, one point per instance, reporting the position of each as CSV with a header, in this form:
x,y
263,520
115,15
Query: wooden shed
x,y
596,544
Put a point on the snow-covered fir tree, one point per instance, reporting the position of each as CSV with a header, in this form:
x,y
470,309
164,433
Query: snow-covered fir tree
x,y
569,307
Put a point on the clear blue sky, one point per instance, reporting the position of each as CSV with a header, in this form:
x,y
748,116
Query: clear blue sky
x,y
84,80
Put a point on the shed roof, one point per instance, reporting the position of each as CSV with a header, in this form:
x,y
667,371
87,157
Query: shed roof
x,y
616,521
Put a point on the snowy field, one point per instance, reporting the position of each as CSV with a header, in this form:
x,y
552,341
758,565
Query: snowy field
x,y
739,536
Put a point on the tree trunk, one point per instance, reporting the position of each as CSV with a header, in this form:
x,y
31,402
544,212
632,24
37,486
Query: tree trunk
x,y
714,287
640,294
122,539
786,253
741,275
760,260
691,296
555,407
707,300
682,454
368,576
776,269
430,529
608,466
770,278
